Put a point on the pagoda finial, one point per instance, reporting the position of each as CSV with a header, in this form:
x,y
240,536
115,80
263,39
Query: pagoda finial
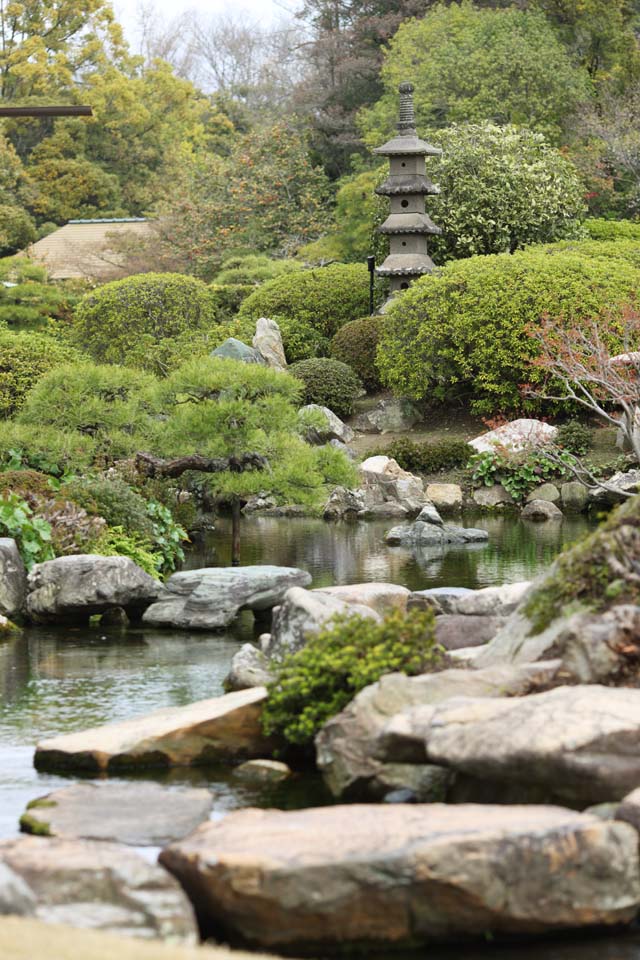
x,y
407,120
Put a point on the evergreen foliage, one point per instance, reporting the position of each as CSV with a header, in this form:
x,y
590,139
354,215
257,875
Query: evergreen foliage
x,y
329,383
24,358
356,345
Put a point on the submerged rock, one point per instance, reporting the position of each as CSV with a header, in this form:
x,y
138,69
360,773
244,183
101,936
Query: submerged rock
x,y
225,727
72,589
139,814
419,533
99,886
400,875
212,597
263,771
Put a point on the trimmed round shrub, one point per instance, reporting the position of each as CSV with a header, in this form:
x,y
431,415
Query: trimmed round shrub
x,y
121,321
325,298
229,298
301,341
463,330
328,383
24,358
356,344
254,268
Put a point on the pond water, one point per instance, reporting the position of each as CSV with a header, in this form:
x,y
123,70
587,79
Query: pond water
x,y
62,680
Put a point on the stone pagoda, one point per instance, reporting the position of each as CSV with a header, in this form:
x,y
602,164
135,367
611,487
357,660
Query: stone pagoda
x,y
408,225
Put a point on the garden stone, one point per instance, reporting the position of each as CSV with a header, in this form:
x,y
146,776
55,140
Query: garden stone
x,y
263,771
347,746
455,631
429,514
249,668
629,809
489,601
233,349
382,480
618,487
138,814
381,597
402,875
546,491
574,496
419,534
389,416
302,614
15,896
575,745
445,597
212,597
13,579
259,503
493,496
446,497
223,728
100,886
335,429
343,503
517,435
541,510
268,343
72,589
386,511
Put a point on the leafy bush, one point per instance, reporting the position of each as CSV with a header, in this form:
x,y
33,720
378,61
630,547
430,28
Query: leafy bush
x,y
463,330
329,383
108,403
120,321
301,341
48,449
519,471
253,268
599,229
29,485
17,229
32,534
575,437
318,681
325,298
24,358
356,344
112,499
428,457
114,542
167,536
229,297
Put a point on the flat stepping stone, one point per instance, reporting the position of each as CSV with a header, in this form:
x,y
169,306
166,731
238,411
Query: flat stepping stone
x,y
140,814
401,875
223,728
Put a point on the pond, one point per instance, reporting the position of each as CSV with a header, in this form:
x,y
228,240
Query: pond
x,y
62,680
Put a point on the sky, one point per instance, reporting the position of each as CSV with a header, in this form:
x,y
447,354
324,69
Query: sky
x,y
265,11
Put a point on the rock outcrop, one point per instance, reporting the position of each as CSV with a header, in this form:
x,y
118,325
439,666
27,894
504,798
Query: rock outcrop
x,y
222,728
268,343
99,886
399,875
212,597
72,589
13,580
420,534
333,428
517,435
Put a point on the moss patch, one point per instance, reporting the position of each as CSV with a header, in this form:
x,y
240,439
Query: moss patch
x,y
31,824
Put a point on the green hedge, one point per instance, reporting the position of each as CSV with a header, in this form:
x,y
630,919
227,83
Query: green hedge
x,y
356,344
600,229
462,331
329,383
325,298
24,358
123,321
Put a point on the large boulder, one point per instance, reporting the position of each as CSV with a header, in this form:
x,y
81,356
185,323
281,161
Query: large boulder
x,y
446,497
396,876
212,597
333,429
233,349
392,415
219,729
517,435
419,534
381,597
618,488
541,510
574,496
493,496
575,745
546,491
72,589
348,750
99,886
383,479
344,504
268,343
249,668
457,631
140,814
13,579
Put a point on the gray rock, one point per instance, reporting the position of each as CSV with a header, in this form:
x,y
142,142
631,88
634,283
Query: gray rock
x,y
388,416
541,510
263,771
15,896
618,487
100,886
404,875
304,613
13,579
383,480
546,491
268,343
429,514
334,429
259,503
629,809
446,497
517,435
576,745
381,597
490,601
344,503
493,496
348,746
233,349
142,814
386,511
445,597
222,728
249,668
211,598
574,496
419,534
71,589
455,632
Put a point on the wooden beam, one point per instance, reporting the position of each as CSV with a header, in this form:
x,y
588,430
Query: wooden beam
x,y
64,111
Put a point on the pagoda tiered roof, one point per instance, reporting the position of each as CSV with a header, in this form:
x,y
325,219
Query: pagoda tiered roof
x,y
410,146
406,265
409,223
398,184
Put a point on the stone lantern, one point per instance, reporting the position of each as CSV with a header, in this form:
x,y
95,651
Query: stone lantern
x,y
408,225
